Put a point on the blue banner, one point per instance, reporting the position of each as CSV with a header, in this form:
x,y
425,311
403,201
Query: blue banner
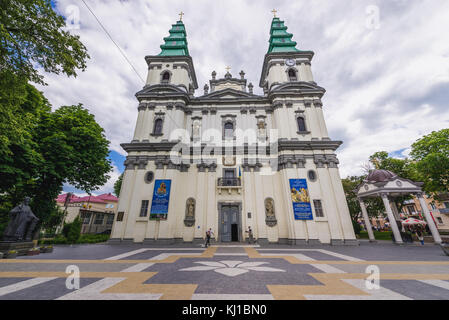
x,y
301,199
161,200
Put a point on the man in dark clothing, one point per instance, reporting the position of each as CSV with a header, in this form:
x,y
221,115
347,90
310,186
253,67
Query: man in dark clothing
x,y
208,235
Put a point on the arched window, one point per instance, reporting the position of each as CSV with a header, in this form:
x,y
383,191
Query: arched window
x,y
292,75
229,130
165,77
158,127
301,124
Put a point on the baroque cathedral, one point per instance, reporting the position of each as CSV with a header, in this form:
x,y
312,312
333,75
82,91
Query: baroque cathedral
x,y
230,159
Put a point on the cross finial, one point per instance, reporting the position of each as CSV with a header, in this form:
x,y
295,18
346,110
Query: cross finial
x,y
274,12
180,15
228,68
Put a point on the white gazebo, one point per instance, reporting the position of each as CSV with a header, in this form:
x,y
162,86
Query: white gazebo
x,y
388,185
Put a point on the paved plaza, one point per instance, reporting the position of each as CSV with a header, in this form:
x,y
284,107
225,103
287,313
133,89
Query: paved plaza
x,y
237,272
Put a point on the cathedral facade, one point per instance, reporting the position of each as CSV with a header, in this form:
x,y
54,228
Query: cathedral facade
x,y
230,160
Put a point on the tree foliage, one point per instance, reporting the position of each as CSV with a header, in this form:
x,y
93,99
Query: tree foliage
x,y
118,185
431,154
64,146
404,168
374,206
32,35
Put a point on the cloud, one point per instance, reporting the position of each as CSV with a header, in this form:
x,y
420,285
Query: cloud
x,y
386,86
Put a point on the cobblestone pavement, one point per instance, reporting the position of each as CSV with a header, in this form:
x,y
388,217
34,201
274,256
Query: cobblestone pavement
x,y
237,272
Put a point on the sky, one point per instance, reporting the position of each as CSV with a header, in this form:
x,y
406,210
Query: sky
x,y
384,64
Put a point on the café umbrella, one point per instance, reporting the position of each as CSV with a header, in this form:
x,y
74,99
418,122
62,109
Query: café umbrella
x,y
413,222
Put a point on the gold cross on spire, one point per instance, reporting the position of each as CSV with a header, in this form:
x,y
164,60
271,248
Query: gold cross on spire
x,y
274,12
228,68
180,15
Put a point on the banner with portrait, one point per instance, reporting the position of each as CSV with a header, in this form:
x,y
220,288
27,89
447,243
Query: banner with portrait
x,y
302,207
161,200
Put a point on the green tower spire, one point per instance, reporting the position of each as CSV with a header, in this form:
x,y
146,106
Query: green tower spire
x,y
176,43
280,39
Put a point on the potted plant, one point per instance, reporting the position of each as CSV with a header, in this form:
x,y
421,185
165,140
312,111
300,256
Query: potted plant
x,y
11,254
33,252
46,249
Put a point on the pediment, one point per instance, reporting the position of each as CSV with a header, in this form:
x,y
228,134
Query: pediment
x,y
228,94
298,86
161,89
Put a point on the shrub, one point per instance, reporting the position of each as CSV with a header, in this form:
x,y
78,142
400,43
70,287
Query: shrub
x,y
357,227
74,231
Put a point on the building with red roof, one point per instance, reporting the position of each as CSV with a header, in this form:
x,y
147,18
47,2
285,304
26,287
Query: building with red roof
x,y
96,212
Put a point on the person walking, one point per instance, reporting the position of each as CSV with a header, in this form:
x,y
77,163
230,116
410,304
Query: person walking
x,y
209,233
250,235
420,236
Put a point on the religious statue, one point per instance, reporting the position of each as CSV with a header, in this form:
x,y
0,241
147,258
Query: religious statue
x,y
190,208
196,129
189,220
22,223
261,129
270,217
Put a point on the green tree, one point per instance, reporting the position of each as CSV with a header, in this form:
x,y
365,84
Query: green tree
x,y
431,154
350,185
118,185
32,35
374,206
64,146
75,151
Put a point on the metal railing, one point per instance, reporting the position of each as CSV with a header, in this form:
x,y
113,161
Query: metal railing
x,y
229,182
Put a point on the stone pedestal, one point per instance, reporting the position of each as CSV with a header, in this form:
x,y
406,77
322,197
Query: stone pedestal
x,y
22,248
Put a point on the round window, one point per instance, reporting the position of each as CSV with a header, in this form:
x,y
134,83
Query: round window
x,y
149,176
312,175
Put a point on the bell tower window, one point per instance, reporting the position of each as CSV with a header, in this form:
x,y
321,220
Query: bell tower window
x,y
301,124
292,75
229,130
157,130
165,77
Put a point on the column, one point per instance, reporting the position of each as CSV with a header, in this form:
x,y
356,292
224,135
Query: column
x,y
430,222
369,228
393,224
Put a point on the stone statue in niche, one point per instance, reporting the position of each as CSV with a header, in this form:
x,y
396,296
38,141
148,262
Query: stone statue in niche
x,y
261,129
270,216
189,220
196,129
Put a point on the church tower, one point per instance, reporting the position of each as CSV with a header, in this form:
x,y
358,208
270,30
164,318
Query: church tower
x,y
230,159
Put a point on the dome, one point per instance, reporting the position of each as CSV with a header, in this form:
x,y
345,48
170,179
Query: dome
x,y
380,176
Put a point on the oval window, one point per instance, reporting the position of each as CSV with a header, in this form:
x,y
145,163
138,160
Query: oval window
x,y
312,175
149,176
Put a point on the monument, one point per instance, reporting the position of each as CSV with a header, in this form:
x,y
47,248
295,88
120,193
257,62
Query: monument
x,y
19,232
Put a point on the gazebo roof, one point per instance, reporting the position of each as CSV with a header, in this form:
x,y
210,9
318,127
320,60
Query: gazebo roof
x,y
380,176
384,181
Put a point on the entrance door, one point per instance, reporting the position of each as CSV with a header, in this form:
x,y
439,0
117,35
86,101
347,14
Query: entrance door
x,y
229,224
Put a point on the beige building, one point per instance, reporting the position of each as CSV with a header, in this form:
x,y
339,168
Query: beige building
x,y
438,209
96,212
230,159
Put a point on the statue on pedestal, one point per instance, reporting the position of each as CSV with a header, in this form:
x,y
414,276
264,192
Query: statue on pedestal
x,y
22,223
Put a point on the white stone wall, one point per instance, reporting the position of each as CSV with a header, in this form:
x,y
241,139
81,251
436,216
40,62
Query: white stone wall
x,y
256,187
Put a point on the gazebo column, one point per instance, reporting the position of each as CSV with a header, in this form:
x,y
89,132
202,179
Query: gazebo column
x,y
391,218
369,228
433,228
